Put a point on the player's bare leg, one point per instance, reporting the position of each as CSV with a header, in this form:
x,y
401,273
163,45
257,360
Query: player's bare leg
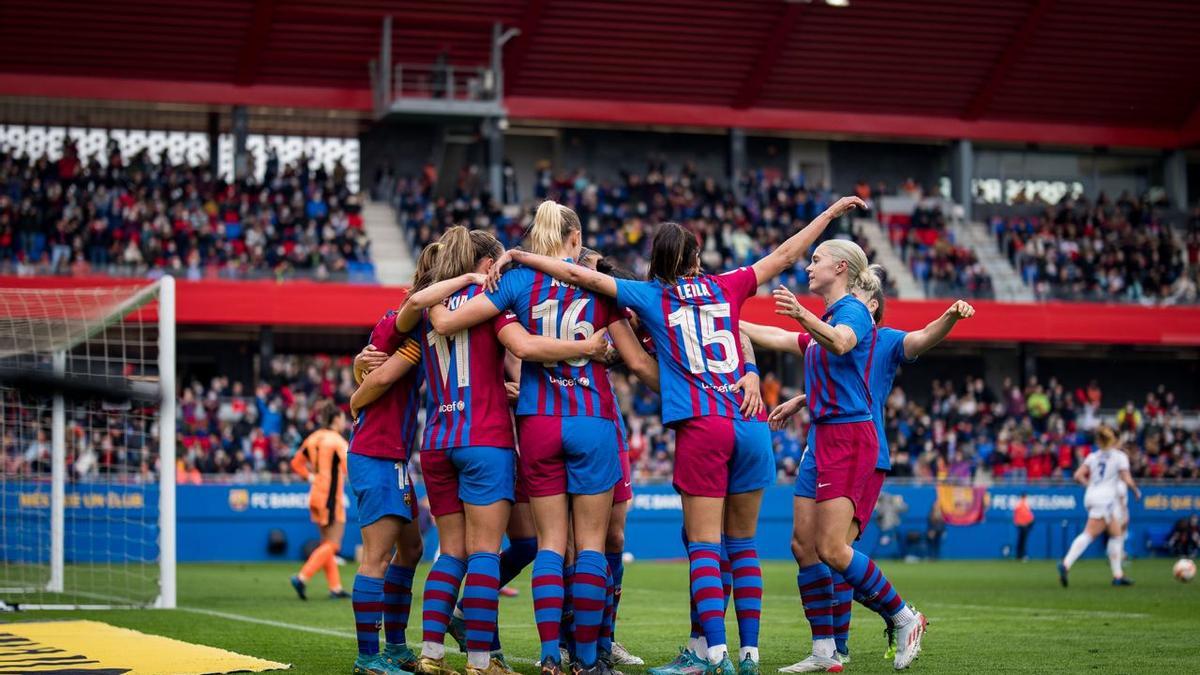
x,y
441,593
816,590
1094,528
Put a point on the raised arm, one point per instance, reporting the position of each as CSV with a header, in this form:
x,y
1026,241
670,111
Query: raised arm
x,y
630,348
838,339
544,349
918,342
379,380
576,275
772,337
433,294
787,254
472,312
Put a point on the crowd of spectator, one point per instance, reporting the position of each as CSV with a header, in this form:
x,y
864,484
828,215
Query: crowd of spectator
x,y
1102,250
965,432
736,225
961,431
927,246
141,216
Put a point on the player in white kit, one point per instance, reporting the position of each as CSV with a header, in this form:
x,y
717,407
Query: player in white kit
x,y
1105,472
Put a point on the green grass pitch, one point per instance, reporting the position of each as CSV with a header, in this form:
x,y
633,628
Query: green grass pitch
x,y
985,617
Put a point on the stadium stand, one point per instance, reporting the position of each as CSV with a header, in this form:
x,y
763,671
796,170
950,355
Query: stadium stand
x,y
735,226
1102,250
958,430
141,215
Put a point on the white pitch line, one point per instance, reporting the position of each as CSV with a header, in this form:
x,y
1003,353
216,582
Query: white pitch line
x,y
302,628
269,622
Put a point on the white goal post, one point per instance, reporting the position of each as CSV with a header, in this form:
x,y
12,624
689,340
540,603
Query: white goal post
x,y
87,436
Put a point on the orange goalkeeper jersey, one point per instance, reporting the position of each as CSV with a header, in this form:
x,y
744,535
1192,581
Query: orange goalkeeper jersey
x,y
323,455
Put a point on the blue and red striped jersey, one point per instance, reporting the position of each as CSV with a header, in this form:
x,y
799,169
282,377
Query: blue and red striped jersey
x,y
694,326
465,401
387,427
837,385
549,307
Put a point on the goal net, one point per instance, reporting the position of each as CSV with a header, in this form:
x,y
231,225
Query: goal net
x,y
87,427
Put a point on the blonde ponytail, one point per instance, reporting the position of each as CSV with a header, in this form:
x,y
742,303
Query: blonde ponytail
x,y
457,254
552,224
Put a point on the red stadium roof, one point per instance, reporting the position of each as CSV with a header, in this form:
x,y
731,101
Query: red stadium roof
x,y
1076,71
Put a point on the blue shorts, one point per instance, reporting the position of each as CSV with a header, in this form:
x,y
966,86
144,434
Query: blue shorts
x,y
569,455
381,488
477,475
719,456
806,477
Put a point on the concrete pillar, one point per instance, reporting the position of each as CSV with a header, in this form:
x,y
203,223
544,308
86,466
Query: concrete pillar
x,y
1175,179
963,162
495,138
241,129
737,155
214,142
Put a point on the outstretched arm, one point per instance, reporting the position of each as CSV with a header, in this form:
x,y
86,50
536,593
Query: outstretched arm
x,y
837,339
433,294
787,254
472,312
576,275
772,337
918,342
544,349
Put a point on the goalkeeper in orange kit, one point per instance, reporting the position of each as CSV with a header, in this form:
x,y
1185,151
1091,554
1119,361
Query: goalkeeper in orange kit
x,y
321,460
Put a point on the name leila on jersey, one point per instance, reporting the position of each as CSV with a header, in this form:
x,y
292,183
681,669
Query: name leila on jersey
x,y
686,291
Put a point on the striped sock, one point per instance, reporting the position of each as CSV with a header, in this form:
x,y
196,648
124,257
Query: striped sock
x,y
843,601
548,600
397,602
367,600
816,593
441,591
747,589
588,589
604,642
868,580
726,573
872,605
697,630
705,563
616,565
481,600
566,627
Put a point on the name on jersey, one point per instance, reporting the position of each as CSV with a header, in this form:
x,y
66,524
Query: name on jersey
x,y
455,302
570,381
685,291
452,406
555,283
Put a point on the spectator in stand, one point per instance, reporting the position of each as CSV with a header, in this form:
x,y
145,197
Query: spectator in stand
x,y
735,224
142,216
1079,250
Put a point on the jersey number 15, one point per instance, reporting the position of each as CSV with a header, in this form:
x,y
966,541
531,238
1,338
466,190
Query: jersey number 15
x,y
686,319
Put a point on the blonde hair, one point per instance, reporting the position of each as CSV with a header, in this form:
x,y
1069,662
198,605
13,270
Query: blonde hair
x,y
878,274
1106,437
858,273
461,251
423,275
552,224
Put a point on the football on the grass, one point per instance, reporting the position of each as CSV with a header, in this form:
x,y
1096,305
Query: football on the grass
x,y
1184,569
